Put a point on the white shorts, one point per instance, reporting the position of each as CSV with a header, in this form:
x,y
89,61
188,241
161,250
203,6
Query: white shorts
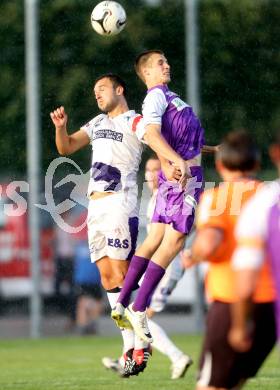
x,y
112,227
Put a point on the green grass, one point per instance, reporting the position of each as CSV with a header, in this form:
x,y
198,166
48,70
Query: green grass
x,y
75,364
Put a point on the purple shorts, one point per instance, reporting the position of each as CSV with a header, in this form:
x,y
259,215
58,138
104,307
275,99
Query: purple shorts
x,y
175,206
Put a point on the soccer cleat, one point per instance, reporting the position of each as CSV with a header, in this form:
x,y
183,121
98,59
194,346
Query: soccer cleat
x,y
140,358
179,368
113,365
128,363
138,320
119,316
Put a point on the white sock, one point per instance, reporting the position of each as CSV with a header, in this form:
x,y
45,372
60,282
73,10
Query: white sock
x,y
139,343
163,343
127,334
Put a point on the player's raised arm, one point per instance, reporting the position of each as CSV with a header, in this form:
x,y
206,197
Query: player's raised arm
x,y
67,144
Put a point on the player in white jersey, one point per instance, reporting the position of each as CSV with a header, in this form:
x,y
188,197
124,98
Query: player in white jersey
x,y
112,191
258,238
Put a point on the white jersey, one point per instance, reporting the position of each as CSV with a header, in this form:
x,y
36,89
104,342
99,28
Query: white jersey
x,y
116,152
252,229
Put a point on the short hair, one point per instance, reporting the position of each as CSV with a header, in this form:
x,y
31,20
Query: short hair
x,y
142,59
239,152
115,79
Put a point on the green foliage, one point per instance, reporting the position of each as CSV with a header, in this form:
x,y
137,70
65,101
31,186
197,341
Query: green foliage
x,y
239,66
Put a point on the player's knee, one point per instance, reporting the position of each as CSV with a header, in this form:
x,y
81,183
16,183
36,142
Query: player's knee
x,y
177,243
106,280
112,280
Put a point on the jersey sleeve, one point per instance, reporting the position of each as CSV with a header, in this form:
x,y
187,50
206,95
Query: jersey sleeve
x,y
250,233
154,107
138,127
89,127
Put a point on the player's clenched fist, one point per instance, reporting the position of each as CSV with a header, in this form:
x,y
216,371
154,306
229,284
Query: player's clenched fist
x,y
59,117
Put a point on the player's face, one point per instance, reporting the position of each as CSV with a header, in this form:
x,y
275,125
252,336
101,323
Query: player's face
x,y
158,70
105,95
151,173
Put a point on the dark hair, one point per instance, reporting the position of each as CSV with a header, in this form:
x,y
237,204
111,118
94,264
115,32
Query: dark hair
x,y
115,79
238,151
142,59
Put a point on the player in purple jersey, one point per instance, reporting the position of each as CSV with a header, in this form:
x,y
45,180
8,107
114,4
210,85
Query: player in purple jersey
x,y
258,236
170,124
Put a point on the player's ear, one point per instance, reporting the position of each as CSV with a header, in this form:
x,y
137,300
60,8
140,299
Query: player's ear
x,y
119,90
145,72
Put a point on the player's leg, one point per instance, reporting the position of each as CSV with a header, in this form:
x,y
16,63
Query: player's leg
x,y
112,237
170,246
180,361
220,366
112,273
135,351
140,261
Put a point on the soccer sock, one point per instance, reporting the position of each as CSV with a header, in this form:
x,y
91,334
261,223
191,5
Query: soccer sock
x,y
153,275
127,334
162,342
136,269
139,343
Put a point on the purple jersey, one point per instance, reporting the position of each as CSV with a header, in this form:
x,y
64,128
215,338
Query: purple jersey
x,y
179,125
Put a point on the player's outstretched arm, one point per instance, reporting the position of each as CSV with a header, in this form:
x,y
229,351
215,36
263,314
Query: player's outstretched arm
x,y
67,144
210,149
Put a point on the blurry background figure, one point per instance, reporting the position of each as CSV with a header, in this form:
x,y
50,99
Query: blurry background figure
x,y
88,291
64,287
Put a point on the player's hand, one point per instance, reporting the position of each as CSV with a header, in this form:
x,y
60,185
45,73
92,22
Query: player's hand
x,y
182,165
186,259
171,172
239,339
59,118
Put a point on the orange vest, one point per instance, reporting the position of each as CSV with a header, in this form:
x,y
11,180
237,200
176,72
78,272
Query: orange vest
x,y
219,208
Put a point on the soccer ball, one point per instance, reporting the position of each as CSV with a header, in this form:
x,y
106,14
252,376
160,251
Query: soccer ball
x,y
108,18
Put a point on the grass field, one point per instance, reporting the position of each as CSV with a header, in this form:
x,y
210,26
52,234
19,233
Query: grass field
x,y
75,364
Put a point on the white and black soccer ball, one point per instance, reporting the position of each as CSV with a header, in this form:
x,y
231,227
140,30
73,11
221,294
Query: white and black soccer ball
x,y
108,18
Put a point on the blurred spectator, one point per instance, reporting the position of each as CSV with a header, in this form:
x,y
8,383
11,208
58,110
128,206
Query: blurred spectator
x,y
87,290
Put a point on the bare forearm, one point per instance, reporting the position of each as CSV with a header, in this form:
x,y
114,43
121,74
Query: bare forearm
x,y
62,141
240,313
160,146
209,149
68,144
206,243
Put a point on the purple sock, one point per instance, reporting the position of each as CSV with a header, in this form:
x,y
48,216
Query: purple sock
x,y
151,279
135,271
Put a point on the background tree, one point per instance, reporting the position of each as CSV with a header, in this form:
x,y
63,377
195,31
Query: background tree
x,y
239,66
